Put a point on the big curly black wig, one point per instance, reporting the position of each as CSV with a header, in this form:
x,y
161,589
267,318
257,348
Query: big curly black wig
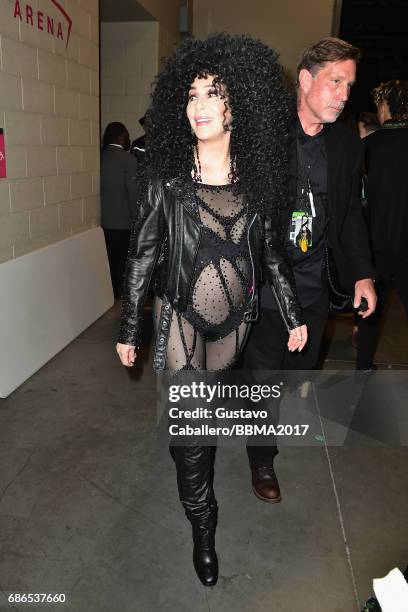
x,y
261,107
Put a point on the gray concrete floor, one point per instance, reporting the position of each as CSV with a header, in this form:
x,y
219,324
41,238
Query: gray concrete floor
x,y
89,508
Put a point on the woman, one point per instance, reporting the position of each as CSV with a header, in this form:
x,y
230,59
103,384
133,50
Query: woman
x,y
216,163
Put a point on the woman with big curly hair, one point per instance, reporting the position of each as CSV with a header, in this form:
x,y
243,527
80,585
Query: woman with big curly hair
x,y
216,169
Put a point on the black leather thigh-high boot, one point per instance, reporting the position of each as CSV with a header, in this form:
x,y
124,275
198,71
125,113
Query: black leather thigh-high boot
x,y
194,466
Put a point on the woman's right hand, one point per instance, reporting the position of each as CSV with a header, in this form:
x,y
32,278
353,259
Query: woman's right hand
x,y
127,354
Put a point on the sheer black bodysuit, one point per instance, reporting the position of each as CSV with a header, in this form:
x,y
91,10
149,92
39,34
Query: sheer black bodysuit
x,y
210,333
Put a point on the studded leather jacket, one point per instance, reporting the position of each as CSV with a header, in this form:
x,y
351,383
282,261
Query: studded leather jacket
x,y
165,237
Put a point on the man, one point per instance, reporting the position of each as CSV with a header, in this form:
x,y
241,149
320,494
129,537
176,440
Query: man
x,y
138,147
119,196
324,210
387,197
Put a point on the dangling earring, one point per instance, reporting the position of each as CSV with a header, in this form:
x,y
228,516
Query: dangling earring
x,y
196,165
232,175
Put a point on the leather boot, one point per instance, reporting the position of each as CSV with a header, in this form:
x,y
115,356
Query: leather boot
x,y
194,477
265,485
204,555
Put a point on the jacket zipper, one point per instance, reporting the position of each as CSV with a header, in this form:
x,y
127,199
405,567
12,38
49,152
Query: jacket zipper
x,y
250,311
193,267
250,254
179,215
280,309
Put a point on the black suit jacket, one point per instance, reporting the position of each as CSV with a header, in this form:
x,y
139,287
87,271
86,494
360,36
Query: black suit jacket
x,y
120,185
347,233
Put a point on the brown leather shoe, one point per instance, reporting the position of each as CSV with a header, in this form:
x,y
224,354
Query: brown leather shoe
x,y
265,485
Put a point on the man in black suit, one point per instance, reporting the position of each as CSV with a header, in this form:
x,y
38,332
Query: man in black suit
x,y
387,197
119,197
324,211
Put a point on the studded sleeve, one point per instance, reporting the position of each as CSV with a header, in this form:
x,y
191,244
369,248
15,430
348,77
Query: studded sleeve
x,y
147,232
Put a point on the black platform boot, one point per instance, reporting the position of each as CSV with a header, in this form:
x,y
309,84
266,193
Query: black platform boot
x,y
204,555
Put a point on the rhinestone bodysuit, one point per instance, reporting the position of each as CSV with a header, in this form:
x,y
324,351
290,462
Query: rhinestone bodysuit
x,y
210,332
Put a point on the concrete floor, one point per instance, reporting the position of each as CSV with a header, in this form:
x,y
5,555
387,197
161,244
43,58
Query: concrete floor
x,y
89,508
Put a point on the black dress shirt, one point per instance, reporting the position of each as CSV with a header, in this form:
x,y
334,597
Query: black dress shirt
x,y
308,172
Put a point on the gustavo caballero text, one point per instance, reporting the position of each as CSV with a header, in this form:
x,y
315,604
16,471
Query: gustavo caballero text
x,y
230,429
218,413
238,429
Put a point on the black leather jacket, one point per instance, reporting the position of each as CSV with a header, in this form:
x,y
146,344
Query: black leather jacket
x,y
167,229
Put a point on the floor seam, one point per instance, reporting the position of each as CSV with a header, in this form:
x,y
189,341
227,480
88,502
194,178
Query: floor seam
x,y
339,510
389,364
20,471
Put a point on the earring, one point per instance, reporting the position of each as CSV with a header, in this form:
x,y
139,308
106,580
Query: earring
x,y
232,175
196,165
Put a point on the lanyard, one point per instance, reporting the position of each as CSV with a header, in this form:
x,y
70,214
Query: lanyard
x,y
304,187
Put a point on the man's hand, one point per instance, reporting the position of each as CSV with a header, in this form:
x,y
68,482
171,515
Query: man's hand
x,y
126,353
365,288
297,338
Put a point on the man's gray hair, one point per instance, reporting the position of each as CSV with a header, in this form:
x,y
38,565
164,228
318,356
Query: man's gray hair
x,y
328,49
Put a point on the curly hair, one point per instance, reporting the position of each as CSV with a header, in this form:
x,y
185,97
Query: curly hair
x,y
261,106
395,93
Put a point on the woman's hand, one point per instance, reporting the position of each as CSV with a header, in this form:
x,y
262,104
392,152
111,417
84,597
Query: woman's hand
x,y
297,338
127,354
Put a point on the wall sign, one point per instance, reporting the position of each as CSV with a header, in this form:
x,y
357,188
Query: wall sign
x,y
58,23
3,169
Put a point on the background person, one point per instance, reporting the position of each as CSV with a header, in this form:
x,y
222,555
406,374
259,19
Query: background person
x,y
387,196
138,146
324,211
119,197
367,124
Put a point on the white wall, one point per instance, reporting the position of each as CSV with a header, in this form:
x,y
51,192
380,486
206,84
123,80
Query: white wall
x,y
129,62
167,12
52,295
49,108
287,26
53,267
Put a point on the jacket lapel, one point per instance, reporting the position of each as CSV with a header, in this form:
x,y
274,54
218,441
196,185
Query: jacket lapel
x,y
185,194
286,213
335,153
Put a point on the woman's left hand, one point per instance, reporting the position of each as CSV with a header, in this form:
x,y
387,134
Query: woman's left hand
x,y
297,338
